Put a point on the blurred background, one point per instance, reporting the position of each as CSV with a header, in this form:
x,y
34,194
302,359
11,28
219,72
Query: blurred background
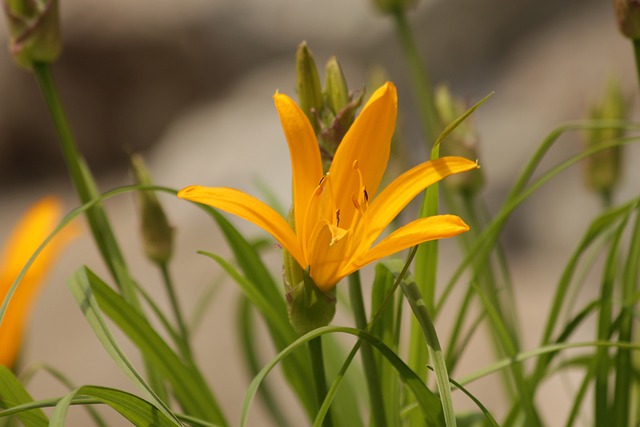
x,y
189,85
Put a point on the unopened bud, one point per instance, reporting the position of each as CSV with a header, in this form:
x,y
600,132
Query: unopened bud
x,y
462,142
603,168
157,234
339,110
34,30
335,86
628,17
308,84
309,308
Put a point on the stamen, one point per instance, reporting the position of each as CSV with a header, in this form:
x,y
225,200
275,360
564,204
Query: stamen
x,y
338,218
355,203
366,196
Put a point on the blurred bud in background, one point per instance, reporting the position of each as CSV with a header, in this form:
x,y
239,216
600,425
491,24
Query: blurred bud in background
x,y
602,169
34,30
463,141
628,17
157,234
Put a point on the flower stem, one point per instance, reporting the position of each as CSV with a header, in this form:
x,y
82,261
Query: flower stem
x,y
185,348
419,76
636,53
85,186
421,313
87,190
319,377
368,360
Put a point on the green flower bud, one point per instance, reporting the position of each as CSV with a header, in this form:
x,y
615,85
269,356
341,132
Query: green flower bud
x,y
309,308
308,85
602,169
628,17
335,86
463,142
157,234
393,6
34,30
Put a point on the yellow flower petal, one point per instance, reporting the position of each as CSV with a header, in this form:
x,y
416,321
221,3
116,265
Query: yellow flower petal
x,y
249,208
368,141
306,164
403,189
416,232
34,227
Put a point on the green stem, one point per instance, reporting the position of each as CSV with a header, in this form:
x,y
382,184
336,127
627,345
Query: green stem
x,y
319,377
602,359
419,77
87,191
177,312
636,54
421,314
85,186
368,360
624,364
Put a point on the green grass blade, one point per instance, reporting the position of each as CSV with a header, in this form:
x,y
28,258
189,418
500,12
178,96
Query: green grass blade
x,y
135,409
419,308
296,371
623,364
602,361
187,383
249,354
385,330
80,286
428,402
63,379
13,393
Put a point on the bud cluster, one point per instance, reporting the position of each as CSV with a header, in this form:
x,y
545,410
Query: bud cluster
x,y
331,111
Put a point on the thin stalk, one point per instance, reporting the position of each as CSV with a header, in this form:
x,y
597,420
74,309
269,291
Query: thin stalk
x,y
636,54
185,347
374,318
87,190
421,313
85,186
419,76
426,268
319,376
624,365
602,360
368,359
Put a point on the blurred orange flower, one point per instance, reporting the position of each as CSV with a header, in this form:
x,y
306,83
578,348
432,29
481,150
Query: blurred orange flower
x,y
33,228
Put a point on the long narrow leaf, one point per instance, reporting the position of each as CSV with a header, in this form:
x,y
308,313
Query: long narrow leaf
x,y
188,385
135,409
13,393
428,402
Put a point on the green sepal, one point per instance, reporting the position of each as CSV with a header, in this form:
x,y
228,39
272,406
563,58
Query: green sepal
x,y
309,308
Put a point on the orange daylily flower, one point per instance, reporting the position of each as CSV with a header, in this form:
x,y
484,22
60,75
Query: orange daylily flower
x,y
338,216
34,227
